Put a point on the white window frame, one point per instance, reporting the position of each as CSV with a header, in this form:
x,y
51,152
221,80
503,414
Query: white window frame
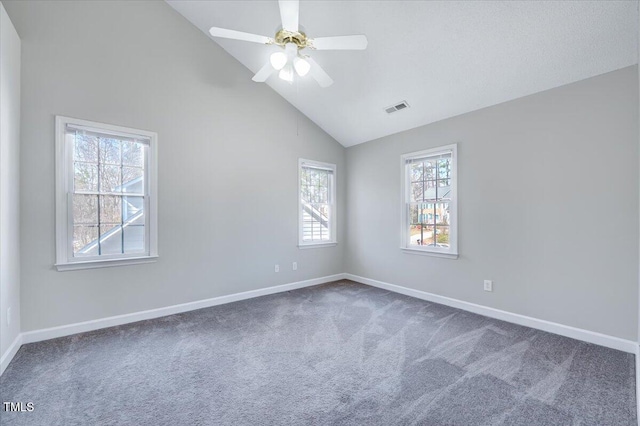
x,y
65,261
452,251
332,194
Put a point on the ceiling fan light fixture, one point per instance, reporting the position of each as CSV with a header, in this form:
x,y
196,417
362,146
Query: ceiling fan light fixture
x,y
286,74
278,60
302,66
291,38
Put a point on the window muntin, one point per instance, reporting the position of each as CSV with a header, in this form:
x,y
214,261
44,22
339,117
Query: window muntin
x,y
104,184
429,202
317,203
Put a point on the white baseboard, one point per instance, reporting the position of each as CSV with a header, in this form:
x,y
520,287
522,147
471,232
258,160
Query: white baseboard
x,y
81,327
551,327
563,330
8,355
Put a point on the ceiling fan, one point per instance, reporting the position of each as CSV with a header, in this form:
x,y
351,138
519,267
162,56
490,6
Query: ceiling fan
x,y
292,40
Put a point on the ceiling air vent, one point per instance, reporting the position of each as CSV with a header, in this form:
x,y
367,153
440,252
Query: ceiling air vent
x,y
398,107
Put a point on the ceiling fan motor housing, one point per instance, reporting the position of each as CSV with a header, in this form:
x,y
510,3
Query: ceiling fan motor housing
x,y
298,38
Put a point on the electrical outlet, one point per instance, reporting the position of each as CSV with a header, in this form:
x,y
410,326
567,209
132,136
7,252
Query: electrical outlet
x,y
277,268
8,316
488,285
295,266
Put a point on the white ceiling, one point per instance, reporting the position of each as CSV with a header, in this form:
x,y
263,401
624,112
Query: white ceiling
x,y
444,58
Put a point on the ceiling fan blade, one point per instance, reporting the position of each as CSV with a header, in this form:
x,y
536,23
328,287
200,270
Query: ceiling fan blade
x,y
239,35
319,74
289,12
350,42
264,73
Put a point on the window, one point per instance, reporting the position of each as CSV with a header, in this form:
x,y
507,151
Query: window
x,y
106,206
317,203
429,211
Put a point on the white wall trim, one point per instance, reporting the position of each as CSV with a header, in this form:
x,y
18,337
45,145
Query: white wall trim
x,y
81,327
333,204
551,327
451,251
64,178
10,353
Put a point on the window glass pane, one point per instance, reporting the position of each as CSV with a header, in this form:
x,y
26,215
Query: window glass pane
x,y
315,222
428,236
430,169
421,213
413,214
108,212
305,194
311,175
421,220
323,222
416,191
430,190
442,236
85,148
414,234
442,214
110,178
311,193
134,238
110,239
322,194
444,168
85,209
305,187
420,235
444,191
85,240
110,209
314,185
132,154
315,177
133,210
85,177
416,170
430,180
133,180
110,151
425,213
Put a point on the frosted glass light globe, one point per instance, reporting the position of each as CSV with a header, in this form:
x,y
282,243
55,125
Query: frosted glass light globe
x,y
302,67
278,60
286,74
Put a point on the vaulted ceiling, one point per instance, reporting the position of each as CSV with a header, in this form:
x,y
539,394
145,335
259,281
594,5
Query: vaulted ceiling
x,y
444,58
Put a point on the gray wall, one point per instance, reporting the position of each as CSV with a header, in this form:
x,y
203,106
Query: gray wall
x,y
9,181
548,183
548,206
228,156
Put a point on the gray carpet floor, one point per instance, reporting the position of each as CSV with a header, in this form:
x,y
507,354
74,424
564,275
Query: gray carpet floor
x,y
334,354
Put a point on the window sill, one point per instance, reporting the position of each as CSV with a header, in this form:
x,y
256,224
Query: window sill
x,y
108,263
317,245
424,252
